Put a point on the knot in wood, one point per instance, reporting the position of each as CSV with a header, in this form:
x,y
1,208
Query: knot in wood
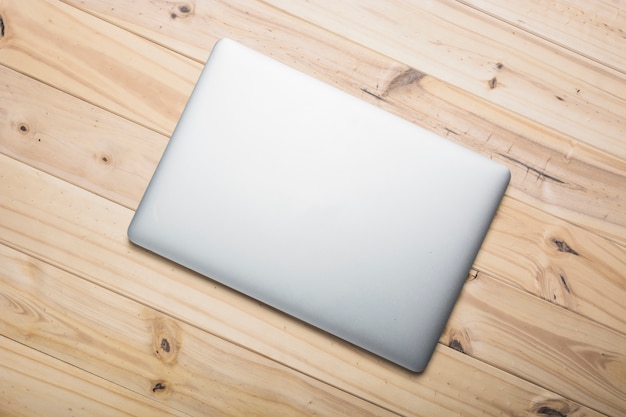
x,y
562,246
458,339
104,158
403,79
160,388
23,128
182,10
552,408
166,340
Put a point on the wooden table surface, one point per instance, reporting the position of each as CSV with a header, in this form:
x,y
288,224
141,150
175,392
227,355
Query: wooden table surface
x,y
91,325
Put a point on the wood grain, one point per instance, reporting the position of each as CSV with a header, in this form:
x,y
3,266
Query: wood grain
x,y
561,263
73,140
540,328
117,69
488,58
593,29
152,354
588,279
597,280
550,171
35,384
95,232
549,345
564,177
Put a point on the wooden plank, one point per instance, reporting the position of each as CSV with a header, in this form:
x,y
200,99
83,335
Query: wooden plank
x,y
558,262
80,136
594,29
550,170
35,384
537,409
584,279
76,141
486,57
542,342
157,357
87,236
109,67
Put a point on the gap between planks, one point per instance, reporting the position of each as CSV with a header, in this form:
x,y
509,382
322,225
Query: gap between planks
x,y
157,356
534,164
138,184
564,26
245,329
45,394
130,161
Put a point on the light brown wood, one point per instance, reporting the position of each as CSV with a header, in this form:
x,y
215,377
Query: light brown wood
x,y
542,157
562,263
598,287
592,29
101,253
493,323
117,70
35,384
150,353
550,171
481,55
563,277
89,93
73,140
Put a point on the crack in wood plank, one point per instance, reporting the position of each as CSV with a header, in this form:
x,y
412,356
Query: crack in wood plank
x,y
542,175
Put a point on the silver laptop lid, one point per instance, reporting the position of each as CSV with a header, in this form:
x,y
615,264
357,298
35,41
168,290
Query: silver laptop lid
x,y
319,204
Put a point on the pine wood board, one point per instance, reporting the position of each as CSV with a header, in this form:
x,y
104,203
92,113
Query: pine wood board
x,y
114,69
570,276
87,238
526,337
562,176
35,384
594,29
558,262
550,171
563,261
564,264
488,58
120,166
74,140
157,357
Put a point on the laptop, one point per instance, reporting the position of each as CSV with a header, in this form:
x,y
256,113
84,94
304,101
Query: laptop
x,y
319,204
